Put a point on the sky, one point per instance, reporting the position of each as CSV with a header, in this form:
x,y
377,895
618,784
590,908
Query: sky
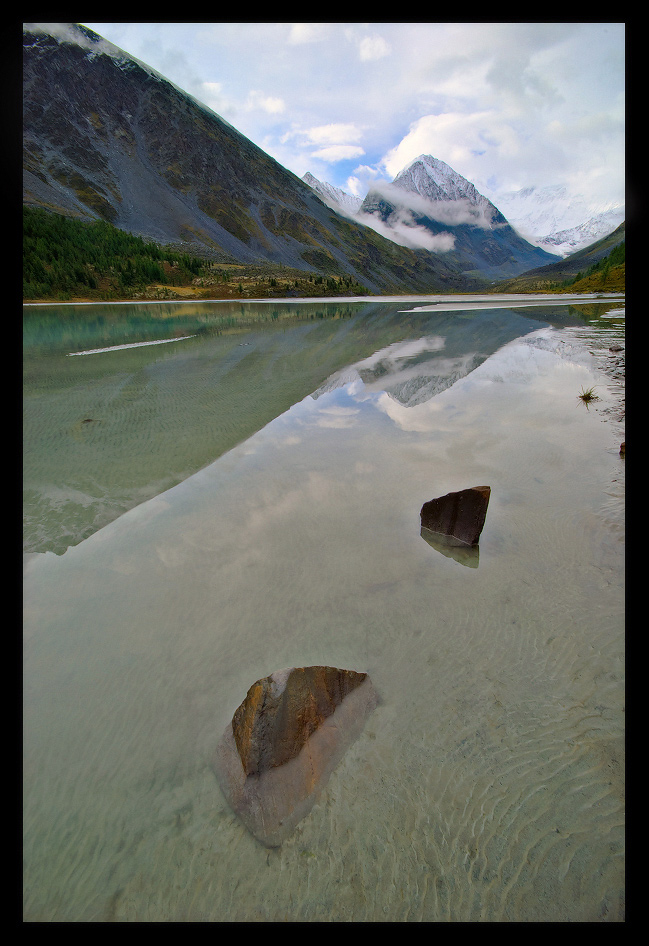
x,y
507,105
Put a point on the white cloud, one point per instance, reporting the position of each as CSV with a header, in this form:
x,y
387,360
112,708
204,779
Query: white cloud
x,y
212,88
266,103
373,47
336,140
333,134
403,230
308,33
355,187
211,93
361,180
452,213
337,416
334,153
458,138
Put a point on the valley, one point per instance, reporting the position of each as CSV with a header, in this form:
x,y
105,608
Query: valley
x,y
107,140
241,388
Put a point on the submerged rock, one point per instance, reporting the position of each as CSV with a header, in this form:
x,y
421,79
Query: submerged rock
x,y
460,515
285,739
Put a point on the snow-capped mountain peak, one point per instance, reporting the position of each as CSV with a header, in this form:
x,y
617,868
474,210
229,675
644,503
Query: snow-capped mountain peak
x,y
430,177
332,196
433,179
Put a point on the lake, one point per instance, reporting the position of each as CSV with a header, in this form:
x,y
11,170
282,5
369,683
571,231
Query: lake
x,y
216,491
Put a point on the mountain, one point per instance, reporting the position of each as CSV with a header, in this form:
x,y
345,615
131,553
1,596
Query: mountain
x,y
561,270
333,196
557,221
431,203
569,241
107,137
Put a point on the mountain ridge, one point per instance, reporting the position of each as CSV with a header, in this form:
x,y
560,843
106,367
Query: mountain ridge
x,y
432,199
549,217
567,270
545,217
104,137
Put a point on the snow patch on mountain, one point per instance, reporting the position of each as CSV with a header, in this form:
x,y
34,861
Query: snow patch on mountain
x,y
402,228
445,193
94,44
332,196
558,222
569,241
548,217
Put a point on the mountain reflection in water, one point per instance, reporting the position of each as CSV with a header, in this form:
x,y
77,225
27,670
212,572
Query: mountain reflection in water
x,y
488,783
163,412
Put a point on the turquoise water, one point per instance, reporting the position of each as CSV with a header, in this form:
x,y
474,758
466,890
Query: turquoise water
x,y
251,501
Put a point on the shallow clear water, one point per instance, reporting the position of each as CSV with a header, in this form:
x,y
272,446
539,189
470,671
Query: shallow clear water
x,y
489,782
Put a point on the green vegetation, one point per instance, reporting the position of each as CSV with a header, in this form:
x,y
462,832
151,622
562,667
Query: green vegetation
x,y
606,274
65,258
588,395
601,273
68,259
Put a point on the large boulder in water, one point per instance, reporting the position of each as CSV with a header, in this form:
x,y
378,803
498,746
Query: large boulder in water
x,y
460,515
285,740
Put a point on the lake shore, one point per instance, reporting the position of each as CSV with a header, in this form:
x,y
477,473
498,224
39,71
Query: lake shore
x,y
459,299
611,360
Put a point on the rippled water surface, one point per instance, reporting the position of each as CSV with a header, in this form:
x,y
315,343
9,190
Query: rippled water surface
x,y
203,512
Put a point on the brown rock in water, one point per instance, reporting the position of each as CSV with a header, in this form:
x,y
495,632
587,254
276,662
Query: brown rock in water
x,y
461,515
282,711
285,739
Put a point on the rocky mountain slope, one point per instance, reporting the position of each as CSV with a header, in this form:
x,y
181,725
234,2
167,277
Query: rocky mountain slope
x,y
105,136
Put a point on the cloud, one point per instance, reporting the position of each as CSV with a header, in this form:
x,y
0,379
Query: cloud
x,y
361,180
336,140
334,153
308,33
373,47
456,138
453,213
370,47
267,103
211,93
212,88
403,230
333,134
337,416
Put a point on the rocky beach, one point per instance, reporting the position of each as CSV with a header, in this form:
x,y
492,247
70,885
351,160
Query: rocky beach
x,y
611,359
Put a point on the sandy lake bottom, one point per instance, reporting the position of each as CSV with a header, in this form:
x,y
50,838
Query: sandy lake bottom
x,y
487,785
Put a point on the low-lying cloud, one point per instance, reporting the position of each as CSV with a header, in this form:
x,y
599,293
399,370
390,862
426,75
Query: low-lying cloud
x,y
452,213
403,229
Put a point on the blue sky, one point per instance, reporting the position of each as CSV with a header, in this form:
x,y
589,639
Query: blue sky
x,y
507,105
